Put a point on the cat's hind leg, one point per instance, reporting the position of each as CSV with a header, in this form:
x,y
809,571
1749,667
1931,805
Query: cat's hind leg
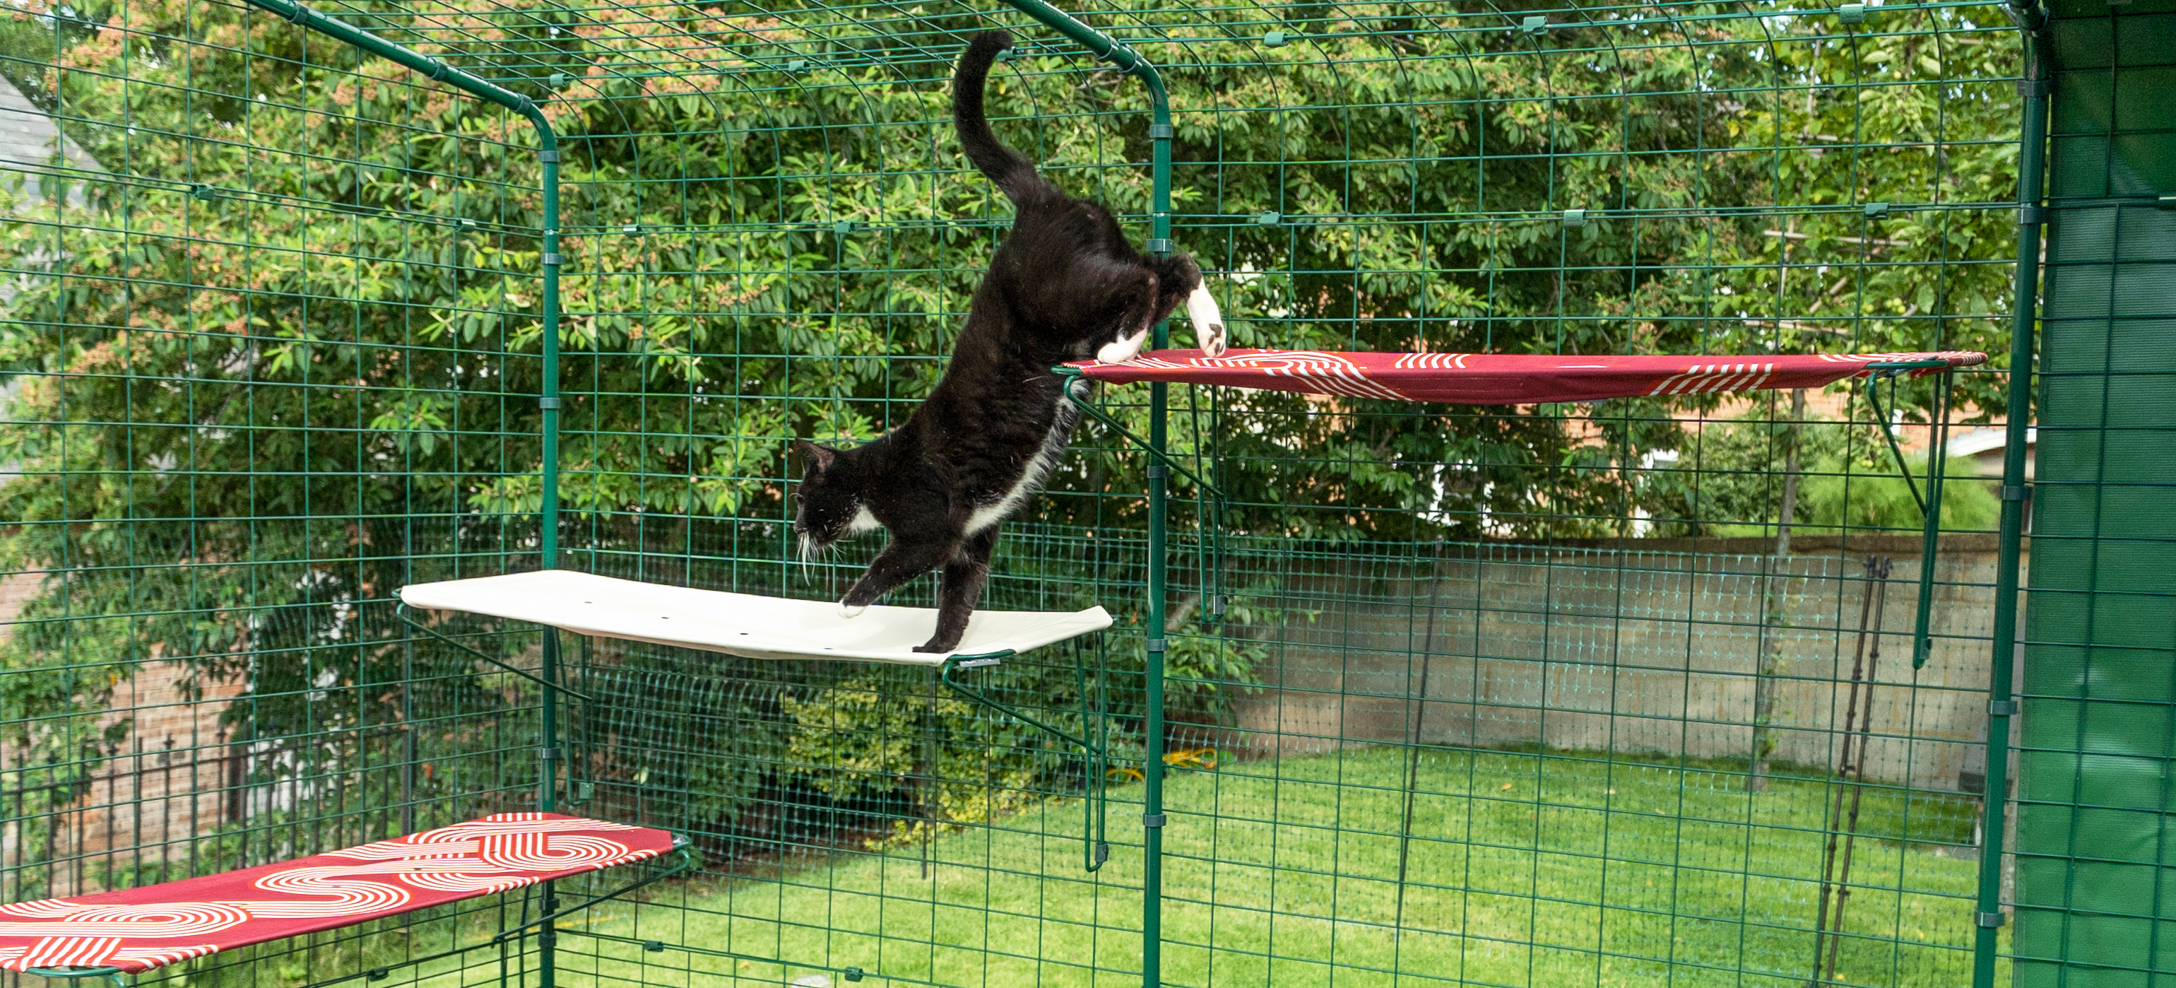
x,y
1123,349
900,561
961,589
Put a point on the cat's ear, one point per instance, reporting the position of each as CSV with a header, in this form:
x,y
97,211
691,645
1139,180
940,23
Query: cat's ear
x,y
818,458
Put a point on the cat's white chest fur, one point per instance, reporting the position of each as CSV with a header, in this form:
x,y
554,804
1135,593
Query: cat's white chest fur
x,y
1031,478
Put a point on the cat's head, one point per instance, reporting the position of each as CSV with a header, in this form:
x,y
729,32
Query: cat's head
x,y
827,502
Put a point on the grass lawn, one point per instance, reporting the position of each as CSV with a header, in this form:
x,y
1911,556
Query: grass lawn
x,y
1520,869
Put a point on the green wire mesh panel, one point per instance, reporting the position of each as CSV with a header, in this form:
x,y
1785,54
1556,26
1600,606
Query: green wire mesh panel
x,y
1553,695
2093,797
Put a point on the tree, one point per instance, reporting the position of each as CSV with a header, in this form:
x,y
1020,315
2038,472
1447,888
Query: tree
x,y
286,363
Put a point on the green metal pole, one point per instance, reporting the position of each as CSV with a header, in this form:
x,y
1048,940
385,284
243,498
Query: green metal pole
x,y
2002,704
547,401
1931,525
1159,243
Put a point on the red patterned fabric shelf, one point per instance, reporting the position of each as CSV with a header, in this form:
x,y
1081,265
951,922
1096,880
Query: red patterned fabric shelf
x,y
1509,379
140,929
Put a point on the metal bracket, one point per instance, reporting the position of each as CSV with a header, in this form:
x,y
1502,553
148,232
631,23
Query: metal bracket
x,y
2031,215
2017,492
1159,245
1158,644
1930,506
1163,458
554,258
1575,218
2002,708
1888,431
547,402
680,849
1852,13
1160,132
1152,820
1095,766
72,973
1988,920
2034,88
401,612
302,14
549,156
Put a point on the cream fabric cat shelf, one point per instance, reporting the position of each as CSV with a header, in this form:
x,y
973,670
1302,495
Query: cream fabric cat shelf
x,y
741,624
780,628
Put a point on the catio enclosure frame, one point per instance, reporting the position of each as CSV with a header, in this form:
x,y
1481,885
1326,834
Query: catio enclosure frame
x,y
2002,704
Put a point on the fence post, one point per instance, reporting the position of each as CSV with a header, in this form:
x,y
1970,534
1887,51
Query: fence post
x,y
1159,243
2031,161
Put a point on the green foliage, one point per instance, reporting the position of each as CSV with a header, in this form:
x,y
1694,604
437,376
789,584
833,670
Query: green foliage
x,y
1833,500
283,361
1729,481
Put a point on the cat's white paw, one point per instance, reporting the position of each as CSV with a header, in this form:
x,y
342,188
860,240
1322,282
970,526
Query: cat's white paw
x,y
1122,350
847,610
1208,322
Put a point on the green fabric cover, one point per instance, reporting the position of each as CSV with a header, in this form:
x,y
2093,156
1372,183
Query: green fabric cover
x,y
2096,900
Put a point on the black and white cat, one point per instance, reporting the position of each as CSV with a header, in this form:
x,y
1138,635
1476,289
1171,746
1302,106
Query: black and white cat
x,y
1065,285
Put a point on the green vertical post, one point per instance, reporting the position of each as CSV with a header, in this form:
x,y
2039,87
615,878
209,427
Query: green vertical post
x,y
1159,243
547,401
2001,701
548,154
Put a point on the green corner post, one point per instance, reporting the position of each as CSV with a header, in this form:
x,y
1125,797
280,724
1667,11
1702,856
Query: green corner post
x,y
2001,702
1159,243
547,402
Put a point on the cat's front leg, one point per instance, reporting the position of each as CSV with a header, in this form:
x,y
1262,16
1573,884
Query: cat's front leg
x,y
900,561
1208,322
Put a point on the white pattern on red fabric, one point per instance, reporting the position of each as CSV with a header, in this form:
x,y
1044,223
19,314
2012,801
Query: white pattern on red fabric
x,y
1431,361
153,919
333,891
1716,379
539,851
70,951
124,930
1334,372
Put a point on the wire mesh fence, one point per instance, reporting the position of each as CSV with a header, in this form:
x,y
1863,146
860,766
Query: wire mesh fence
x,y
1542,695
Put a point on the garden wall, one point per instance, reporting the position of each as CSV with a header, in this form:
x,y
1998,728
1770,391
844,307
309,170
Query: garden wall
x,y
1647,646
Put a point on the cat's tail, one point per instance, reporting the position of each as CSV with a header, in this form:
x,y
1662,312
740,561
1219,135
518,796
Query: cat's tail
x,y
1012,171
